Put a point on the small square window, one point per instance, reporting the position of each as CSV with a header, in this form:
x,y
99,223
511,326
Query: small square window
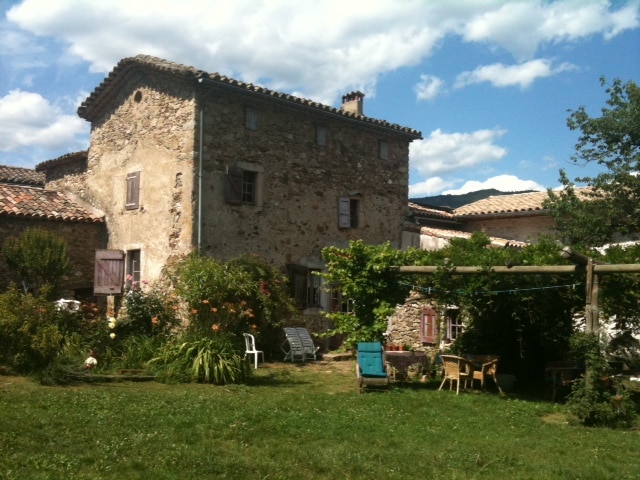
x,y
251,118
321,136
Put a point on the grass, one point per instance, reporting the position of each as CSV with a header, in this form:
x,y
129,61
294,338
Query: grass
x,y
296,422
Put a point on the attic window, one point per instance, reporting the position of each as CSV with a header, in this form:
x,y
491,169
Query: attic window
x,y
137,97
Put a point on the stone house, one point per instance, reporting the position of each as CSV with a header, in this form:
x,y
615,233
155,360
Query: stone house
x,y
25,203
182,160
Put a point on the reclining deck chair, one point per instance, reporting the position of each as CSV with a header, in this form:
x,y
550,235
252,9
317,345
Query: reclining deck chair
x,y
308,346
371,368
292,346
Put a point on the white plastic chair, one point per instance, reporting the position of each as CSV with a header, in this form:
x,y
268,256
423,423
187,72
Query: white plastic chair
x,y
250,346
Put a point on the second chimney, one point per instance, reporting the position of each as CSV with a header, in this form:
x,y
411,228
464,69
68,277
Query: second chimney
x,y
353,103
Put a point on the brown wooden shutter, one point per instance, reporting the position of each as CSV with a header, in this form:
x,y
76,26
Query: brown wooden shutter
x,y
429,325
133,191
344,212
233,185
108,273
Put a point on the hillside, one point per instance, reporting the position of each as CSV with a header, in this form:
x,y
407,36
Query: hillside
x,y
455,201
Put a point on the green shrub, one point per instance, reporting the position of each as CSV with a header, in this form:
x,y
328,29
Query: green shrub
x,y
212,359
32,331
37,258
594,400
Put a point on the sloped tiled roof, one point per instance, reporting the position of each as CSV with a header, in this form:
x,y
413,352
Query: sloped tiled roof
x,y
32,202
93,104
428,212
505,204
450,234
21,176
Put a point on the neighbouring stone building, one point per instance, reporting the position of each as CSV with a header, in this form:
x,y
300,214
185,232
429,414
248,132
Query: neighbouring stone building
x,y
25,203
182,160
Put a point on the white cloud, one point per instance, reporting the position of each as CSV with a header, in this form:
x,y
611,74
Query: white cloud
x,y
523,75
429,187
448,152
522,27
321,49
429,87
28,120
504,183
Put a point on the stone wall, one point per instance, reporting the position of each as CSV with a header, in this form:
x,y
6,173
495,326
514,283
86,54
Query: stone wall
x,y
404,324
82,240
148,127
523,228
301,182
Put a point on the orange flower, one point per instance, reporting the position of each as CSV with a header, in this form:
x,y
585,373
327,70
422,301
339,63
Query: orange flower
x,y
254,327
205,301
175,307
214,309
155,320
194,311
243,303
215,327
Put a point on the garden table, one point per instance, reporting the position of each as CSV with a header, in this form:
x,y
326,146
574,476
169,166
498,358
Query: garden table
x,y
402,360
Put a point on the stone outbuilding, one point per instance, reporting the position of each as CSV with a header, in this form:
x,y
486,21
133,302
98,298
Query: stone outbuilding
x,y
25,203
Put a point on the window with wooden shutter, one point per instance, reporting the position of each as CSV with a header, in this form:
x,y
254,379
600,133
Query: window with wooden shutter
x,y
233,185
321,136
133,191
108,272
429,325
251,118
383,150
348,212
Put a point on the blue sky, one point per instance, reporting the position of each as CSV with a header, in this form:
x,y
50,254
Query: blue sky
x,y
488,83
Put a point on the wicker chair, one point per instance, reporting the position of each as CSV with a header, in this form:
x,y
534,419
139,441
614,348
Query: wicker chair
x,y
488,368
456,369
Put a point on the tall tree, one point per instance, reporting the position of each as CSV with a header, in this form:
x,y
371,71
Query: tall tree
x,y
611,204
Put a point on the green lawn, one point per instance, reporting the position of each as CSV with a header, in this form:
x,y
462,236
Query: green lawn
x,y
297,422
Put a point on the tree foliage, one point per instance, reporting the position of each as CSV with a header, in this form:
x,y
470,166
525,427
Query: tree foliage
x,y
527,319
611,205
37,258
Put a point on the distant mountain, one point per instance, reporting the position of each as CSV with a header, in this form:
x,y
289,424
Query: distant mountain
x,y
455,201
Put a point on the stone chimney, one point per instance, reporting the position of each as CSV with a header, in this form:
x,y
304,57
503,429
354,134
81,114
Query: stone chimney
x,y
353,103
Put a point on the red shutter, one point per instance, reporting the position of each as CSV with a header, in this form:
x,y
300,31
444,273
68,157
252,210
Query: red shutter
x,y
109,272
233,185
429,325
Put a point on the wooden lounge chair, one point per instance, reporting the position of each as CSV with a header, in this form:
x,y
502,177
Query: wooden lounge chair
x,y
456,369
371,368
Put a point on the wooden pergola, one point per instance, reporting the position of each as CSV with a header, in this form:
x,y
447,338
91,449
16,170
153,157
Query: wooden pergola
x,y
593,269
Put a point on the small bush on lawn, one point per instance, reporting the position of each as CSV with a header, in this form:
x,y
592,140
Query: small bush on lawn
x,y
593,399
212,359
32,331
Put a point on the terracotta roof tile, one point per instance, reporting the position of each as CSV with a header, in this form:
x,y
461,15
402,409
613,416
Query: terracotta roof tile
x,y
424,211
504,204
21,176
92,104
31,202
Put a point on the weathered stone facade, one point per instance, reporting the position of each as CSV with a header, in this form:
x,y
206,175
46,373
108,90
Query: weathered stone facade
x,y
182,133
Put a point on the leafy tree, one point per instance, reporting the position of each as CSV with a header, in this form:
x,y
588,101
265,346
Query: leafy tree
x,y
37,257
611,205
